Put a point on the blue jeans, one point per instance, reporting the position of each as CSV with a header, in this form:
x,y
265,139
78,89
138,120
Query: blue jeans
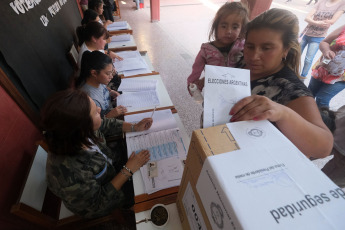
x,y
323,92
313,47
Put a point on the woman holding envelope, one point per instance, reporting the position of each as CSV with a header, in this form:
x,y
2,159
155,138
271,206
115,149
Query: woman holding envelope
x,y
272,54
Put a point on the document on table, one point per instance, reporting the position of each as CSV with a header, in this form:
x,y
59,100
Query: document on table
x,y
162,120
224,87
166,149
133,85
140,99
130,72
122,25
121,37
130,64
169,174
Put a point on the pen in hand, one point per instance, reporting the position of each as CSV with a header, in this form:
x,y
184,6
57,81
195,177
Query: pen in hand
x,y
153,111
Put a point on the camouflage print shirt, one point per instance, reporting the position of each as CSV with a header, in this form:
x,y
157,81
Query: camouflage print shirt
x,y
83,181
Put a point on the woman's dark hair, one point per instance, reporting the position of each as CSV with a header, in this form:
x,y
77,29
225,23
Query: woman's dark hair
x,y
91,29
66,121
89,16
227,9
95,4
95,60
285,22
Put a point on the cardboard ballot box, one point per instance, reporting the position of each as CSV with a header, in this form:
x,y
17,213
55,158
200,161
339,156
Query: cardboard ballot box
x,y
247,175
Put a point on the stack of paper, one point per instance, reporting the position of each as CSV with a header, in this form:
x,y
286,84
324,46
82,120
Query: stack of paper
x,y
135,84
122,25
132,64
165,168
138,93
121,37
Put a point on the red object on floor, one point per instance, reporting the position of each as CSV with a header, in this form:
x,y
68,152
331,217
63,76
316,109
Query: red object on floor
x,y
141,5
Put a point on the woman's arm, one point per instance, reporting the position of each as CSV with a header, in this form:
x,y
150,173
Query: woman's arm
x,y
309,19
133,164
197,68
142,125
325,47
299,121
335,17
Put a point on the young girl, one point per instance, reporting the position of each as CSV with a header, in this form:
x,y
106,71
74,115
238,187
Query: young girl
x,y
272,54
93,36
227,30
82,170
96,73
324,14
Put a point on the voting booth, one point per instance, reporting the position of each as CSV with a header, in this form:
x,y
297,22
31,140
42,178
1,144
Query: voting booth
x,y
225,185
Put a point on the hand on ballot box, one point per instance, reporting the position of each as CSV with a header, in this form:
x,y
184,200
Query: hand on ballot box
x,y
144,124
257,108
136,161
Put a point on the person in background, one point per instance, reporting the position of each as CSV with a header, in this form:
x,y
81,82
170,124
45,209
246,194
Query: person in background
x,y
90,16
272,54
328,78
95,75
84,5
227,32
335,168
93,36
319,19
97,5
89,177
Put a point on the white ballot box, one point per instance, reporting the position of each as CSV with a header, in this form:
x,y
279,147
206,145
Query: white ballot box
x,y
247,175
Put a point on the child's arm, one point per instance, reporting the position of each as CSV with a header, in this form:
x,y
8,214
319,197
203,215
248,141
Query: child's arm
x,y
198,67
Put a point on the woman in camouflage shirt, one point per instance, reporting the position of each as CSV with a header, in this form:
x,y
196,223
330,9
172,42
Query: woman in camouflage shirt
x,y
81,169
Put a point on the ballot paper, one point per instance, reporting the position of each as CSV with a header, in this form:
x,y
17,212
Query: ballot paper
x,y
224,87
121,37
139,99
129,68
135,84
163,140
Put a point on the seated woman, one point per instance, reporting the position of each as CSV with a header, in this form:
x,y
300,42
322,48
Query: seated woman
x,y
98,6
272,54
81,168
93,36
96,73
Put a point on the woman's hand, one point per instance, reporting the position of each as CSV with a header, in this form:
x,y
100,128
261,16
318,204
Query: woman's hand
x,y
135,161
257,108
329,54
114,94
114,56
107,23
324,24
117,111
144,124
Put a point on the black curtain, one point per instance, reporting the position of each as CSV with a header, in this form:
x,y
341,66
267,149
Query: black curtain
x,y
35,55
